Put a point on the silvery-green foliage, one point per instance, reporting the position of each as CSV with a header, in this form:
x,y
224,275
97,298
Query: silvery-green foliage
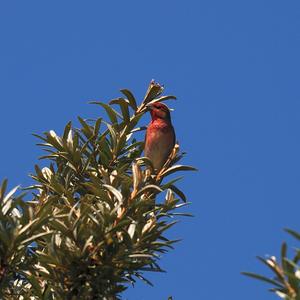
x,y
285,279
98,216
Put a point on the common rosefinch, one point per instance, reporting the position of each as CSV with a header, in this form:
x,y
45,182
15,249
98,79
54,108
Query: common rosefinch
x,y
160,135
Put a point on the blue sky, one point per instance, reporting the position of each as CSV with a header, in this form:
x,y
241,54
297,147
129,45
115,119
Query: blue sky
x,y
235,68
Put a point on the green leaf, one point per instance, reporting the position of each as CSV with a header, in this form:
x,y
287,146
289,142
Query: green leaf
x,y
130,97
289,269
97,127
121,142
110,111
27,226
263,278
35,284
177,168
38,172
142,128
10,194
133,121
114,191
171,182
105,151
181,214
3,189
120,225
54,140
86,244
141,255
4,237
114,139
293,233
162,99
283,253
67,130
146,161
148,188
86,129
144,279
60,226
40,137
177,191
124,108
167,226
36,236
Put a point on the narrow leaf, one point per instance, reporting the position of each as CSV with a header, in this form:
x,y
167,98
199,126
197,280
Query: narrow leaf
x,y
293,233
177,168
130,97
148,188
110,111
114,191
177,191
262,278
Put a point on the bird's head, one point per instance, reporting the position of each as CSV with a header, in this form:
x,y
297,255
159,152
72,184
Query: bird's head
x,y
159,110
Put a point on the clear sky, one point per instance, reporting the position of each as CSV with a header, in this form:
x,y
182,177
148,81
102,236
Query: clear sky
x,y
234,66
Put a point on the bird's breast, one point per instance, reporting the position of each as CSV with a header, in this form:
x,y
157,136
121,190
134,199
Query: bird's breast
x,y
159,143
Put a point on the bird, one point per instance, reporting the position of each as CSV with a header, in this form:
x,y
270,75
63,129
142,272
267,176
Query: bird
x,y
160,135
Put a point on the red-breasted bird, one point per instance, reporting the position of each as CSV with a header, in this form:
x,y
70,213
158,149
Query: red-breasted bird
x,y
160,135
